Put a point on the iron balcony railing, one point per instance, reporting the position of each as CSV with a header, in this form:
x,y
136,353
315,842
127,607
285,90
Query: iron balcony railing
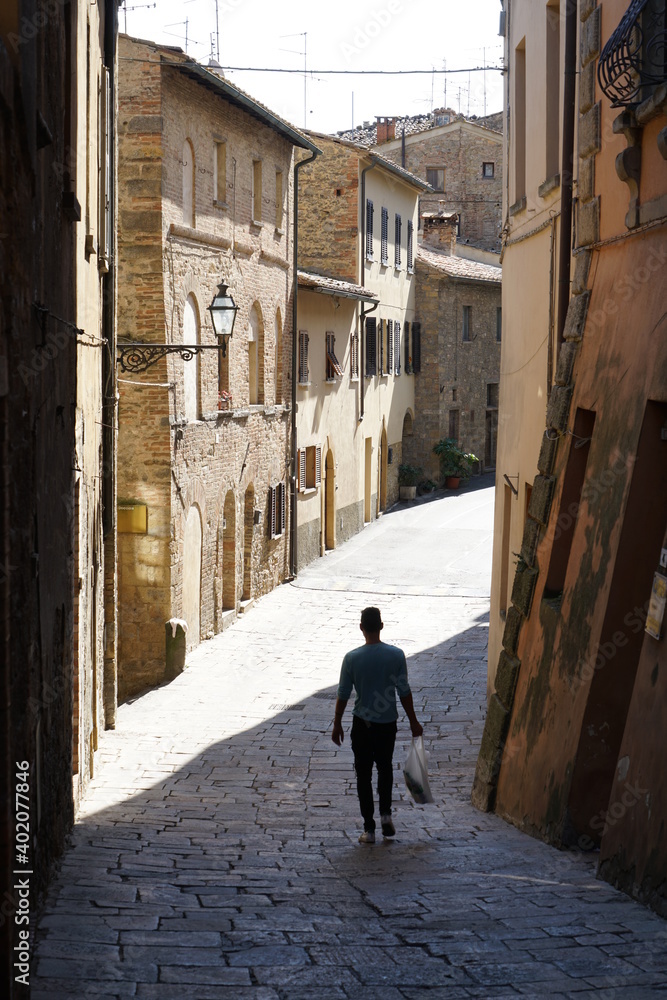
x,y
632,63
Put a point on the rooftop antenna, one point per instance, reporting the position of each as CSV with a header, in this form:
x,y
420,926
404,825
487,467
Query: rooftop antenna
x,y
353,109
140,6
484,64
177,24
217,32
298,34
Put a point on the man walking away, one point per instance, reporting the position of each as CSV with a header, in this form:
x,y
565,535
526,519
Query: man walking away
x,y
376,671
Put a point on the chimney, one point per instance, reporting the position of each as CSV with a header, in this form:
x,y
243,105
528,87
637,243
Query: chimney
x,y
439,230
386,129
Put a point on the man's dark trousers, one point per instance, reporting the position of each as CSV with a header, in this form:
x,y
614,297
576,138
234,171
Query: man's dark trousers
x,y
373,743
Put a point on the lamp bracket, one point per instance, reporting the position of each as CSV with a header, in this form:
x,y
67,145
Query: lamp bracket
x,y
139,357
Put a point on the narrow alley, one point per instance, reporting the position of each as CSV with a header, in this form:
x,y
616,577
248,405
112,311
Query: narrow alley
x,y
216,853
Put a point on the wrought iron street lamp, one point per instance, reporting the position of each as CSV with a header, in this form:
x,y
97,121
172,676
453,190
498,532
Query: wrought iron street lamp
x,y
223,312
139,357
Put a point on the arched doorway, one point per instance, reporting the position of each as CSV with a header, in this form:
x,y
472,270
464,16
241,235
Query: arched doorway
x,y
192,545
383,469
229,553
248,517
330,502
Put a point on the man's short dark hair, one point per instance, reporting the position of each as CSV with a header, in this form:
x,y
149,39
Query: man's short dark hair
x,y
371,620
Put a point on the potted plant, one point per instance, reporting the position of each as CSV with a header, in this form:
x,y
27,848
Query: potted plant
x,y
224,400
408,477
455,464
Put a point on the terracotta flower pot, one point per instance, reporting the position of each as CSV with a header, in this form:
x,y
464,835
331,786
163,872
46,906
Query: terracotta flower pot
x,y
407,492
453,482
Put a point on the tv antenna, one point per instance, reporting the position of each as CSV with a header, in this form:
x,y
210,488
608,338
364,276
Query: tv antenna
x,y
299,34
140,6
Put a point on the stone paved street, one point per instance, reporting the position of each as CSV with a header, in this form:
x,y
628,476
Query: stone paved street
x,y
217,853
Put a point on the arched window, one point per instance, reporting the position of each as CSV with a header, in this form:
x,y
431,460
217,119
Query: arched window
x,y
188,184
191,368
256,356
278,341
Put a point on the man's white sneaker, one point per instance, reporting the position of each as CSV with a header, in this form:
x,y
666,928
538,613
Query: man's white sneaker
x,y
388,829
367,837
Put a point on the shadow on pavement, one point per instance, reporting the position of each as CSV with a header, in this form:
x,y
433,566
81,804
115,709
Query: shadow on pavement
x,y
236,870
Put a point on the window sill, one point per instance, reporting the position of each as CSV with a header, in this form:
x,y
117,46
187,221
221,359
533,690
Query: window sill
x,y
550,184
303,385
354,378
397,267
278,231
308,491
384,263
254,224
518,206
220,204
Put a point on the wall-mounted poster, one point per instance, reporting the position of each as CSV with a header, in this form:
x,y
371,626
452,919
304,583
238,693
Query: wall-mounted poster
x,y
656,608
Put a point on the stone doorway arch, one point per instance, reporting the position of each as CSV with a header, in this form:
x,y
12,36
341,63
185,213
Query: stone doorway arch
x,y
191,601
330,502
229,553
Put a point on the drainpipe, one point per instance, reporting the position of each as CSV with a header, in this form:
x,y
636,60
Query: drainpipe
x,y
295,469
567,166
109,407
364,312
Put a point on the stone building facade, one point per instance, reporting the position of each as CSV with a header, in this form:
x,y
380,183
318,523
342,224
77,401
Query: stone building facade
x,y
56,402
358,221
463,163
573,746
458,304
205,196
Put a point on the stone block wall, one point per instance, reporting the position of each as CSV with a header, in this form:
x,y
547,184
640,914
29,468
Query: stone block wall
x,y
454,374
460,149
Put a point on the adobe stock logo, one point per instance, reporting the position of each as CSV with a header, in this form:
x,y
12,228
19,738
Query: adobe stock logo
x,y
365,34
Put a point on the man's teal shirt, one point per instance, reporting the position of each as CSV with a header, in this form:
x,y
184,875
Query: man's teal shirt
x,y
376,671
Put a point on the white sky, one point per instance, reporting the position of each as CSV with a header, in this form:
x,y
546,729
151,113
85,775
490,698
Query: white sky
x,y
350,34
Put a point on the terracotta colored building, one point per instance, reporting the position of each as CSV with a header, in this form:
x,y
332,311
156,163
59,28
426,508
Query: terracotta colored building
x,y
573,748
205,196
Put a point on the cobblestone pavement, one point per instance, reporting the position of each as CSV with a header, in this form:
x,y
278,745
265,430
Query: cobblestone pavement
x,y
217,854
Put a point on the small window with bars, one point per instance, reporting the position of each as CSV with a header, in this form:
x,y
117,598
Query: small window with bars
x,y
303,357
334,370
435,176
354,355
466,329
369,229
416,347
277,504
310,468
488,169
411,264
398,226
384,237
371,346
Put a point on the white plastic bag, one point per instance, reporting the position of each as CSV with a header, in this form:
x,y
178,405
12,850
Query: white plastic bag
x,y
416,774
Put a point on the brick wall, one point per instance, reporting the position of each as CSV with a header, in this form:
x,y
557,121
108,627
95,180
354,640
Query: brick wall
x,y
329,211
220,459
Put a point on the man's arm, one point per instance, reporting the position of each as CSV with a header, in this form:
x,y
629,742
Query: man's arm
x,y
337,734
406,701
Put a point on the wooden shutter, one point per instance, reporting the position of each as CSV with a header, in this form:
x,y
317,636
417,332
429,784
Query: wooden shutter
x,y
384,240
398,225
302,469
397,346
381,338
106,153
371,346
303,357
416,347
369,229
410,245
390,346
272,511
318,466
406,347
281,508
